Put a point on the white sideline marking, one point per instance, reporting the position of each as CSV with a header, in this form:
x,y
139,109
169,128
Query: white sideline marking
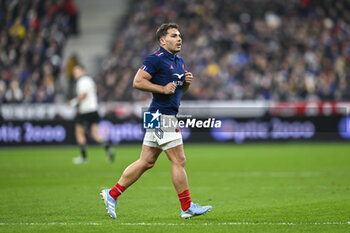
x,y
51,224
173,224
233,223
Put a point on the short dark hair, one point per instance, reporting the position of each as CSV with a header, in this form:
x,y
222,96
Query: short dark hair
x,y
163,29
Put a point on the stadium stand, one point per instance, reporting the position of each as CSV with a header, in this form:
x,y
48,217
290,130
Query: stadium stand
x,y
281,51
277,50
32,40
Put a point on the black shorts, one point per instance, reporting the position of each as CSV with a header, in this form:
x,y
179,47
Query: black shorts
x,y
87,119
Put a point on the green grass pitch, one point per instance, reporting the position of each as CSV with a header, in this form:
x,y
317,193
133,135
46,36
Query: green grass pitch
x,y
252,188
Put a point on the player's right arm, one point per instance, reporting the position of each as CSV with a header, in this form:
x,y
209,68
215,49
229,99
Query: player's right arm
x,y
142,82
77,100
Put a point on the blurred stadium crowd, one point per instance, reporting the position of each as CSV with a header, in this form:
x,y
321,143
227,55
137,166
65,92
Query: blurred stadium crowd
x,y
32,39
252,49
238,50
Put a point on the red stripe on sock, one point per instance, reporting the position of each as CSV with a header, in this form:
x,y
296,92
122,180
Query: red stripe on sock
x,y
116,191
185,200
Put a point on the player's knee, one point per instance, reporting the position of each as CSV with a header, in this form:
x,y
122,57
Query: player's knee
x,y
97,138
148,164
81,140
181,161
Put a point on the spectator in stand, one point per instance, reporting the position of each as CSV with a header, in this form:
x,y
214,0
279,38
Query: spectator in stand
x,y
2,91
48,86
17,29
14,93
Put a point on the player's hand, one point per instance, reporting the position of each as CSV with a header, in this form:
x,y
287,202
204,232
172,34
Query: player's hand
x,y
73,102
169,88
188,77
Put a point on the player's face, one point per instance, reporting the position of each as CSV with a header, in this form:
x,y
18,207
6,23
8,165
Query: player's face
x,y
173,41
78,72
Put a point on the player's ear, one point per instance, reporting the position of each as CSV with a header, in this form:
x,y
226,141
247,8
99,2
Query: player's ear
x,y
162,40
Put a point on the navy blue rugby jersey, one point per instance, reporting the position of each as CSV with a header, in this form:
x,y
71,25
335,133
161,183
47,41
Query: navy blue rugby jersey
x,y
164,68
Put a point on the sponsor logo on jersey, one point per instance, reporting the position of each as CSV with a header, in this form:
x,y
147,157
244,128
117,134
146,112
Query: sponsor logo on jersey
x,y
178,75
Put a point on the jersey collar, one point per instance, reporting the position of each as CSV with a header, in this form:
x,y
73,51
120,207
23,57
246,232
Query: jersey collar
x,y
166,53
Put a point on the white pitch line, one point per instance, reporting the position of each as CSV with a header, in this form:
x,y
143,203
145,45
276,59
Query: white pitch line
x,y
174,224
234,223
51,224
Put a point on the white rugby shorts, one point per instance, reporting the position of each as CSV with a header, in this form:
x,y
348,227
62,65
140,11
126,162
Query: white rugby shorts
x,y
168,136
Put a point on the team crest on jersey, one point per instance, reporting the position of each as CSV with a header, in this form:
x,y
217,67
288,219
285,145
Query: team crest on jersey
x,y
171,67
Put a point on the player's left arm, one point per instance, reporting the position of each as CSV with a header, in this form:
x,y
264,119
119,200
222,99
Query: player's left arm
x,y
188,80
